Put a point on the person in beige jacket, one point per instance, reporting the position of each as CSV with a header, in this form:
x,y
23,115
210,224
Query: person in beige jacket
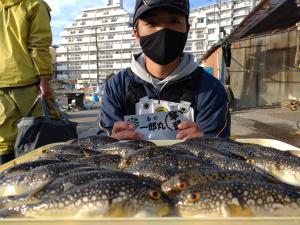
x,y
25,64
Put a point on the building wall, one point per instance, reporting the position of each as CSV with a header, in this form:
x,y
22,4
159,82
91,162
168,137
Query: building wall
x,y
76,55
215,62
263,71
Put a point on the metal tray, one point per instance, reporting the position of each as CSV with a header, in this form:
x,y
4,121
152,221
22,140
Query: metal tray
x,y
162,220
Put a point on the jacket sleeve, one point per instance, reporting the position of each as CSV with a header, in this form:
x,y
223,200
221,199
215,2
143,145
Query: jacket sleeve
x,y
213,115
112,107
40,39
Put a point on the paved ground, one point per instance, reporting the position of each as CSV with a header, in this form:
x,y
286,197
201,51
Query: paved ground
x,y
275,123
87,121
278,123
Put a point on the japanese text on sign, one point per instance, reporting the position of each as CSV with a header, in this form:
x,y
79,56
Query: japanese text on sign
x,y
163,121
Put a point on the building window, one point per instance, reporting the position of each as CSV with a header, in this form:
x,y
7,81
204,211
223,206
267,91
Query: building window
x,y
200,20
211,31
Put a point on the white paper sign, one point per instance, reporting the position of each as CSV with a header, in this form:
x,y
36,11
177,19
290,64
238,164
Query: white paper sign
x,y
157,126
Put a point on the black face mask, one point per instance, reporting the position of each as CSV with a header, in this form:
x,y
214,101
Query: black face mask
x,y
164,46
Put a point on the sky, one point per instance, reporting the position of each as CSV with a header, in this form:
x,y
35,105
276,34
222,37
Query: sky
x,y
64,11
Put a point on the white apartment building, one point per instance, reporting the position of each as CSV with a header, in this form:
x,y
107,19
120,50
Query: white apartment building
x,y
107,31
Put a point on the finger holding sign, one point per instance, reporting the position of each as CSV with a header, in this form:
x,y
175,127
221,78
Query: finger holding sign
x,y
189,130
125,131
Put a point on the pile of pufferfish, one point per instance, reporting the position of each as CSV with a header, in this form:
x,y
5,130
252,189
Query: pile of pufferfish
x,y
98,177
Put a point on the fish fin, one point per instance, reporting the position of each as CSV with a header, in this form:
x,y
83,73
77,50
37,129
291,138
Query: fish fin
x,y
68,185
85,154
118,210
295,152
35,192
13,212
235,210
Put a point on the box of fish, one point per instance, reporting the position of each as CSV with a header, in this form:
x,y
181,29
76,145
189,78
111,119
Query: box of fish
x,y
199,181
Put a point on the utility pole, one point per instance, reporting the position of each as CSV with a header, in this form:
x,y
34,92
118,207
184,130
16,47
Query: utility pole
x,y
219,5
97,56
68,65
232,14
297,58
124,24
254,4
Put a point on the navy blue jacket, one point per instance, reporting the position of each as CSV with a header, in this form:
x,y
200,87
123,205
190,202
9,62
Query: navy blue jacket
x,y
210,102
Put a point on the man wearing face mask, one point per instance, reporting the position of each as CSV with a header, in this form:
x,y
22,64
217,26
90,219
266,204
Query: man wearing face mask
x,y
164,74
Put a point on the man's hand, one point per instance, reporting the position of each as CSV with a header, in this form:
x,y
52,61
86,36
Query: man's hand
x,y
45,89
125,131
189,130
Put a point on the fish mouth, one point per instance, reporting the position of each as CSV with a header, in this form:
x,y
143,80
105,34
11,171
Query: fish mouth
x,y
123,164
169,191
295,152
154,212
193,213
286,176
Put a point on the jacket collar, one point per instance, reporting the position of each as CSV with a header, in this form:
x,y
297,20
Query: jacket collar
x,y
9,3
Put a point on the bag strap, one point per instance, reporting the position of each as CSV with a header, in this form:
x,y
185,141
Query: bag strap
x,y
46,111
45,108
184,90
191,87
29,114
136,92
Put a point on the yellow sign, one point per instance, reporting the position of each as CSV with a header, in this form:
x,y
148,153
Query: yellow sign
x,y
161,109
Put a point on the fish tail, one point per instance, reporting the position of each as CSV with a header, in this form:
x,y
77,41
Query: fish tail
x,y
13,212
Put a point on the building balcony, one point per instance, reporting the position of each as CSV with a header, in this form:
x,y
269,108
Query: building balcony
x,y
62,76
242,5
122,56
89,67
122,46
88,76
61,59
212,36
197,37
61,68
88,58
241,13
61,50
88,49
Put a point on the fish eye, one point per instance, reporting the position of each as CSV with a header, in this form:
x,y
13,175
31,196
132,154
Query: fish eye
x,y
128,162
194,197
154,194
250,161
182,185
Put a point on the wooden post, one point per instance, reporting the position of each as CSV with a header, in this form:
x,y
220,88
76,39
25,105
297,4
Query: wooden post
x,y
297,59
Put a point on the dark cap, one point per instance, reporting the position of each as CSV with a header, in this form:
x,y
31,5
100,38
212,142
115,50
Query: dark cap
x,y
143,6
